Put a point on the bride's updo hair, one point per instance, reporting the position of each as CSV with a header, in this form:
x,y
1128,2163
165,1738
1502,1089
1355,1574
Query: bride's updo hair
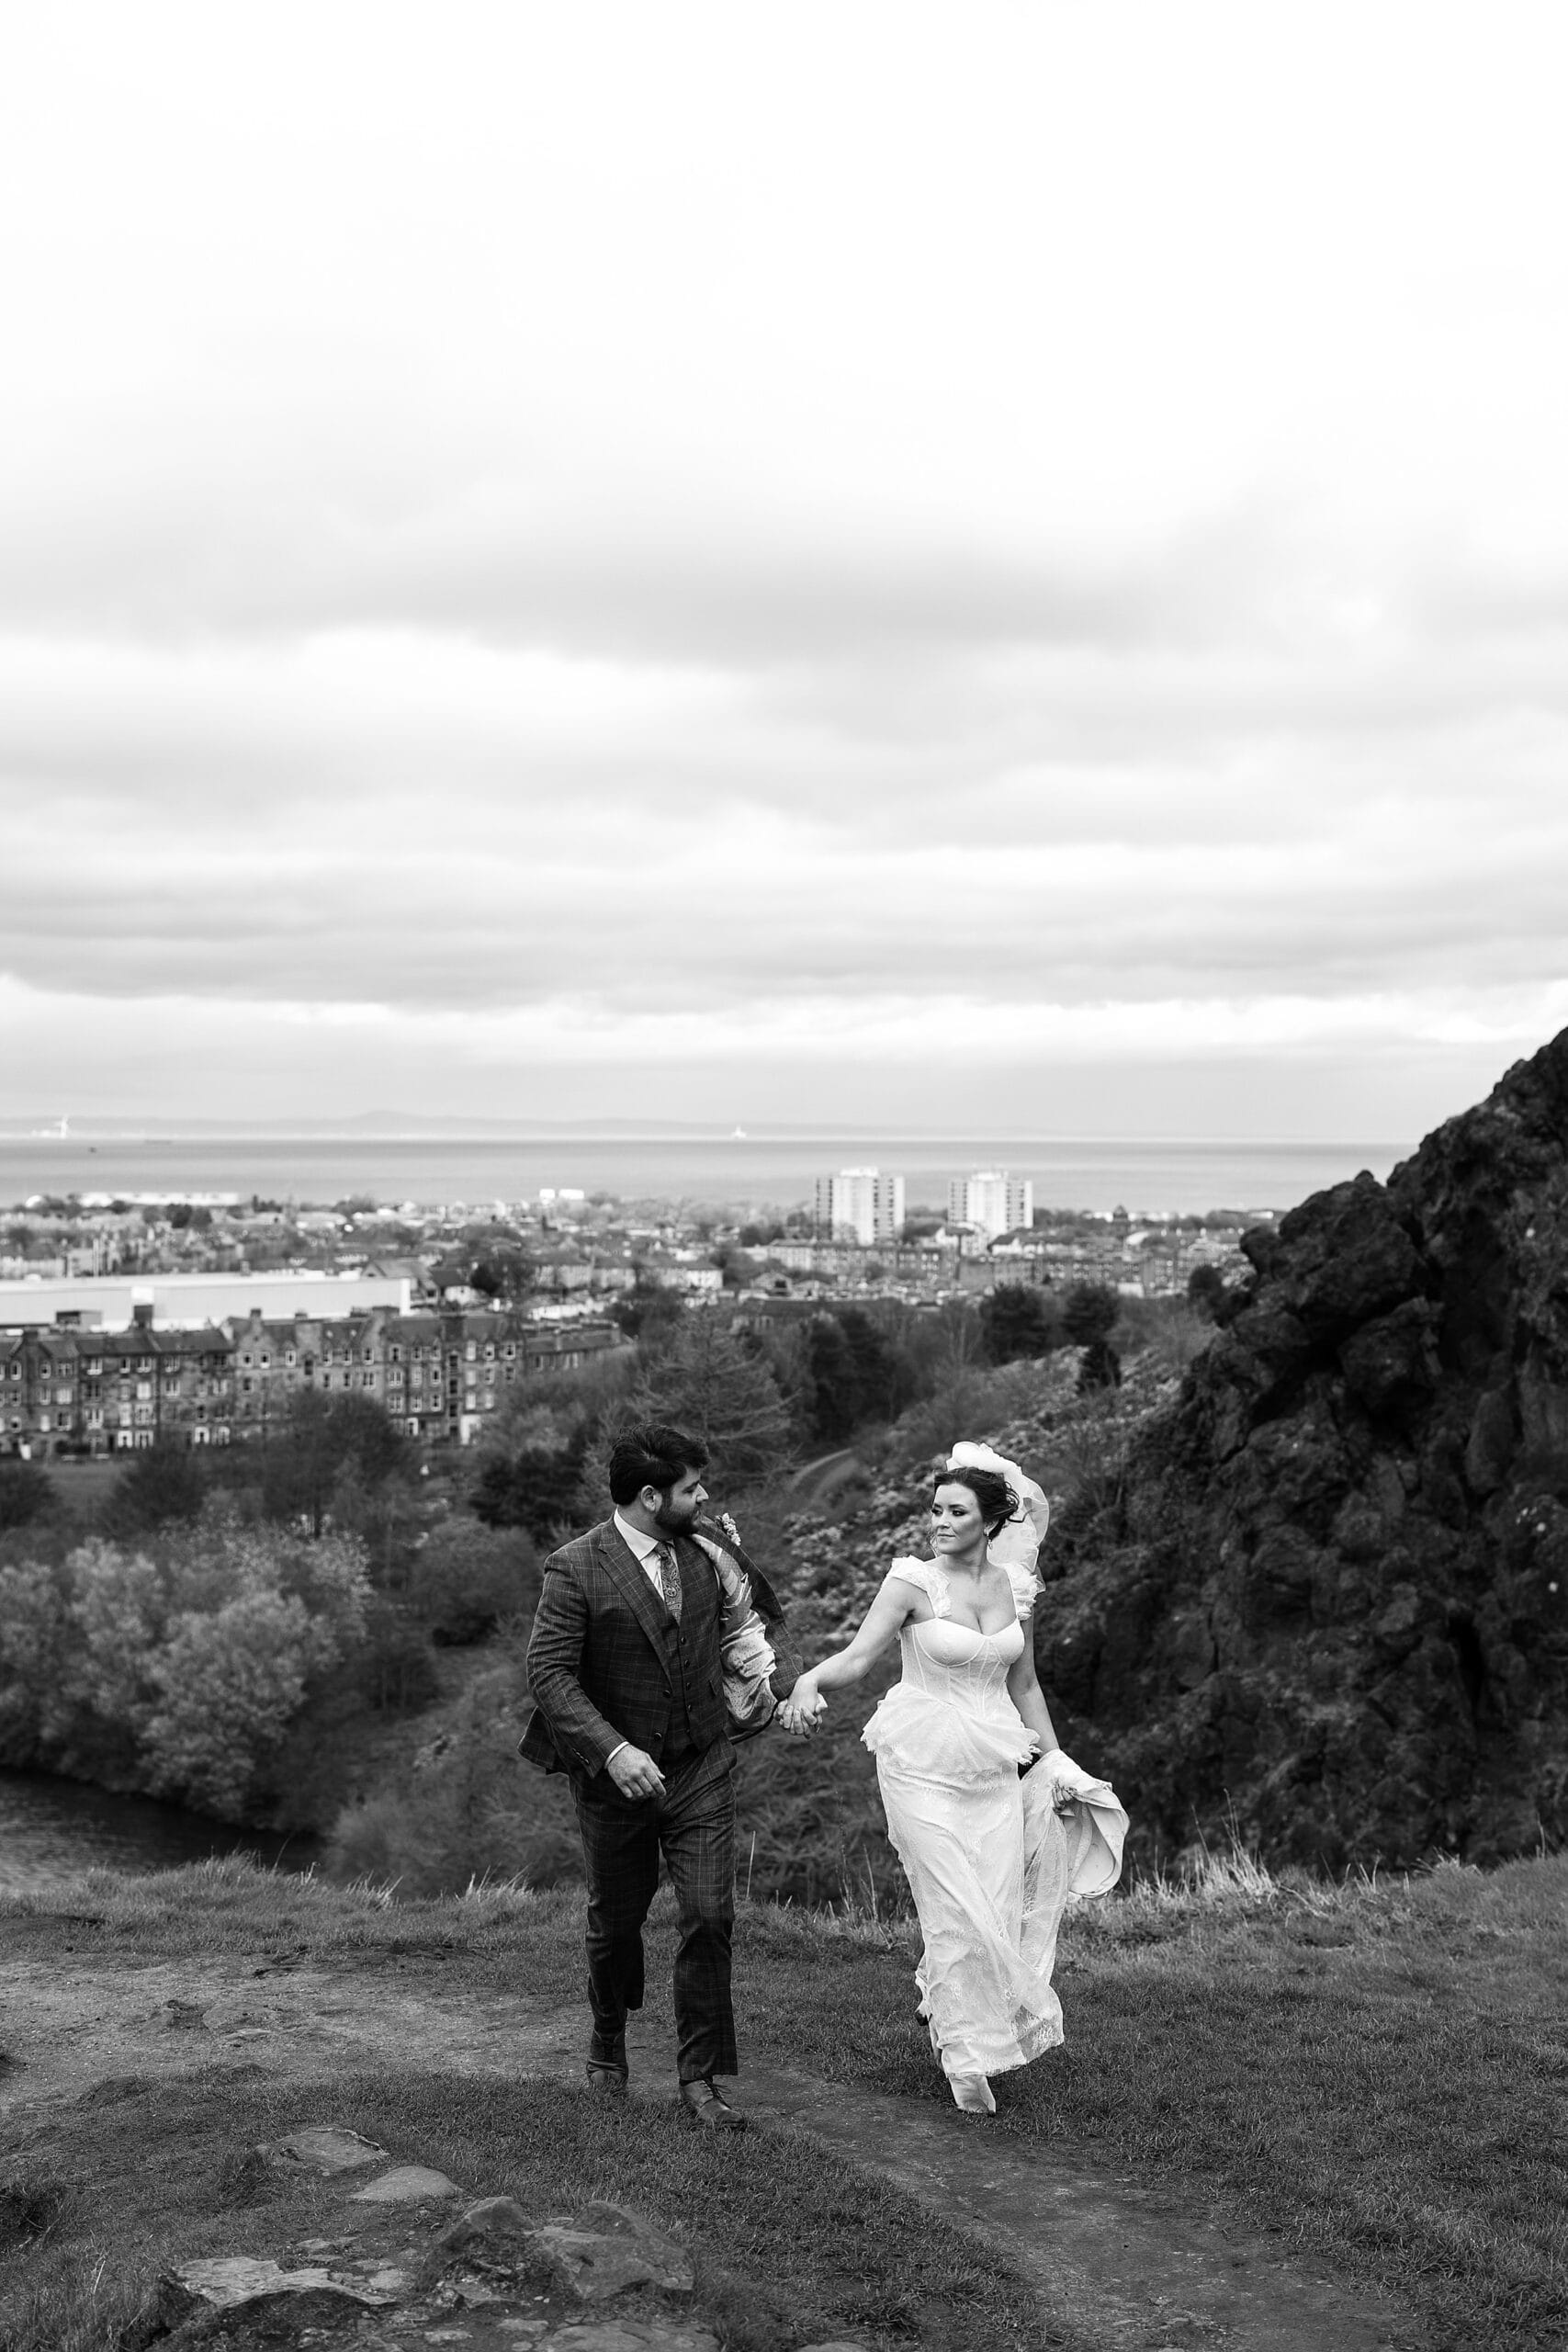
x,y
999,1505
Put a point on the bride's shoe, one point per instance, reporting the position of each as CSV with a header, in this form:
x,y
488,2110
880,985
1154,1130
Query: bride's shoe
x,y
972,2093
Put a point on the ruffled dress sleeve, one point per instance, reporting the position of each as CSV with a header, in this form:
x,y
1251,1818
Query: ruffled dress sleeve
x,y
928,1577
1025,1588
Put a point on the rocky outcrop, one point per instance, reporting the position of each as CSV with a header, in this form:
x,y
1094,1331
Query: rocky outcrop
x,y
1328,1602
396,2269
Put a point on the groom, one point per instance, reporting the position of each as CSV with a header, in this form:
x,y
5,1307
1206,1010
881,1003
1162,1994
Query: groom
x,y
624,1668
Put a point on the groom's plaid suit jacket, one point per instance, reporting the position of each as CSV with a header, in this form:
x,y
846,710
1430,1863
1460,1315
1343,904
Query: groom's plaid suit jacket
x,y
597,1665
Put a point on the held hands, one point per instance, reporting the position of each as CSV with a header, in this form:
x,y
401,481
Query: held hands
x,y
802,1712
635,1773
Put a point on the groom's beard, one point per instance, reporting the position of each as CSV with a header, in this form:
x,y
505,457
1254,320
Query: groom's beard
x,y
675,1522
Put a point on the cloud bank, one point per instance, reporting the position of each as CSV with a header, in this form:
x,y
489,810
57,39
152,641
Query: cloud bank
x,y
577,566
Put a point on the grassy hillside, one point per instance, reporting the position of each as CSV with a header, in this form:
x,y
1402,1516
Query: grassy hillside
x,y
1372,2073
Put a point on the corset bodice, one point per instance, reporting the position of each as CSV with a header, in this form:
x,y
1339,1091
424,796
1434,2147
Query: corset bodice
x,y
957,1664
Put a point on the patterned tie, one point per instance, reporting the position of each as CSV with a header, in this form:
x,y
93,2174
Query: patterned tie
x,y
668,1569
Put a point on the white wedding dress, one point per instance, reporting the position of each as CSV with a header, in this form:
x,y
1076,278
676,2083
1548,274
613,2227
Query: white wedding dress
x,y
948,1742
989,1858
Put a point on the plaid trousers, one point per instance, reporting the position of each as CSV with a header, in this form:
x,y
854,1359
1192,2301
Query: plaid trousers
x,y
693,1824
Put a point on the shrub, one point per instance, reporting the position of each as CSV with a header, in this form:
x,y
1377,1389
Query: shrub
x,y
468,1809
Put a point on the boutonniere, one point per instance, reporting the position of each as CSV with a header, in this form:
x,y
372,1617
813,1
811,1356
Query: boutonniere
x,y
729,1527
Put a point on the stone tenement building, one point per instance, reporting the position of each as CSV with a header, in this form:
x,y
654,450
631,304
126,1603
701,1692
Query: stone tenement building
x,y
440,1376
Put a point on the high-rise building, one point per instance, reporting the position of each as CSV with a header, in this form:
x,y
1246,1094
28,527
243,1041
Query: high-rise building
x,y
860,1205
991,1201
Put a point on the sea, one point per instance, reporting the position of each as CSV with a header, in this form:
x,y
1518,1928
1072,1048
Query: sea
x,y
748,1173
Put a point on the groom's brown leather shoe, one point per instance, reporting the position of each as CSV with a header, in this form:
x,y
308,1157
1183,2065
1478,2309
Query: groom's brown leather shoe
x,y
708,2106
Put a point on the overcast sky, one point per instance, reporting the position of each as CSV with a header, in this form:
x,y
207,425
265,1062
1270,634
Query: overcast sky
x,y
983,563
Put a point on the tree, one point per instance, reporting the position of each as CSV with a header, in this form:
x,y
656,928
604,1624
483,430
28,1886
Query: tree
x,y
178,1672
503,1273
228,1685
833,1387
1089,1313
320,1438
884,1378
161,1485
1019,1320
467,1579
25,1494
649,1313
709,1383
533,1487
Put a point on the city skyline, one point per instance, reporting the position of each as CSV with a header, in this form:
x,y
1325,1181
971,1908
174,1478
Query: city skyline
x,y
586,564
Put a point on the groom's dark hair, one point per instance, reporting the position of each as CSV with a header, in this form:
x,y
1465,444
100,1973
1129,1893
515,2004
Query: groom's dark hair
x,y
653,1455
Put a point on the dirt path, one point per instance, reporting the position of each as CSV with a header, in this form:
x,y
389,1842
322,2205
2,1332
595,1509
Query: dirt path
x,y
1135,2268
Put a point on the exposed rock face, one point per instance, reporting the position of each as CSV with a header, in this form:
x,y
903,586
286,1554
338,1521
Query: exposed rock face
x,y
1332,1590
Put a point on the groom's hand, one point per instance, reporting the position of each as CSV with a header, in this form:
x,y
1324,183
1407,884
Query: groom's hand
x,y
635,1773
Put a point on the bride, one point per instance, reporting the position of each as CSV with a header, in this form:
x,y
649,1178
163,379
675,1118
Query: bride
x,y
990,1858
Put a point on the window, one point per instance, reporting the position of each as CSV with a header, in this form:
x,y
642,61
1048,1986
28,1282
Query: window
x,y
367,1380
265,1361
62,1420
489,1352
366,1355
290,1358
471,1351
394,1355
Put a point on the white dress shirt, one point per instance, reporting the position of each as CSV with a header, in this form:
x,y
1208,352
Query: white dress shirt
x,y
642,1548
